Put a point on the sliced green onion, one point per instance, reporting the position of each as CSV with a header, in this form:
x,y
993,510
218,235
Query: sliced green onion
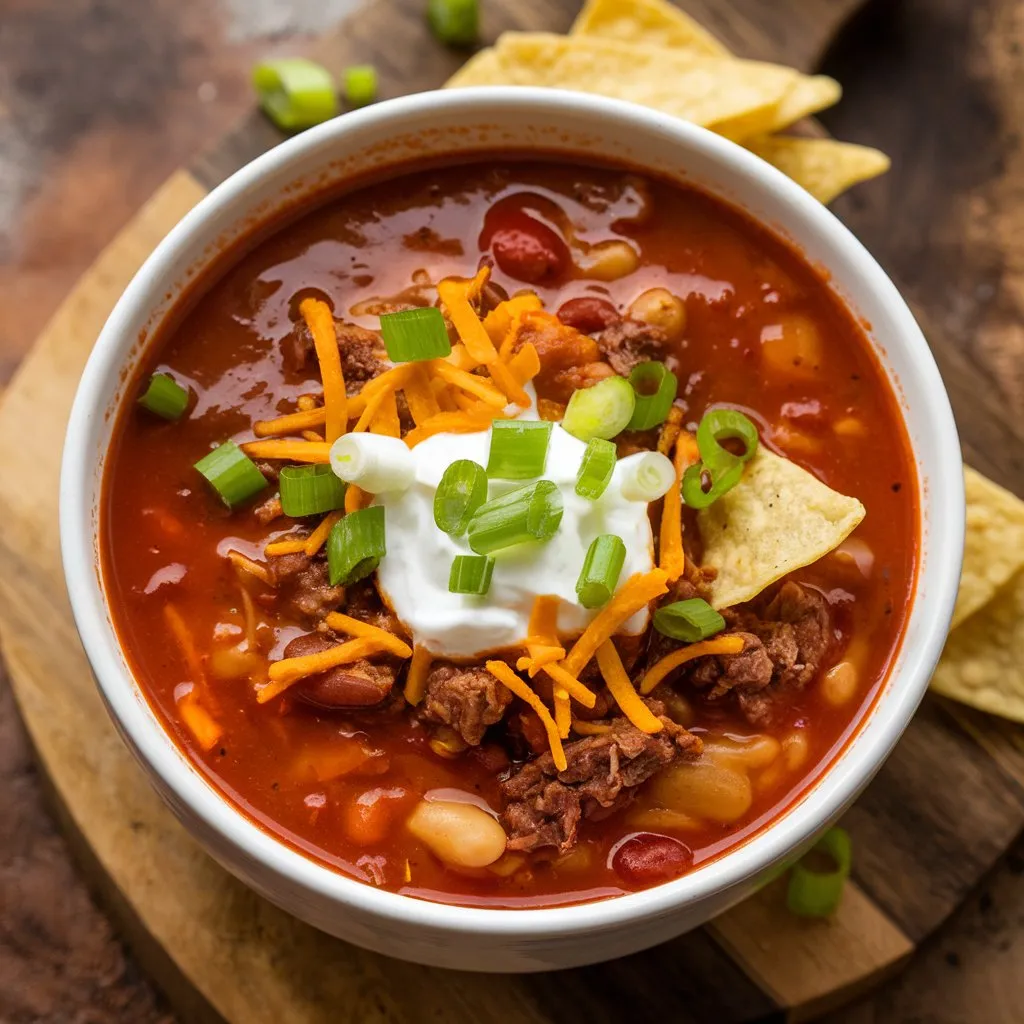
x,y
646,476
471,574
462,490
690,620
454,22
655,386
360,85
596,468
814,893
165,397
600,573
529,513
722,425
232,474
694,480
375,463
295,93
310,490
601,411
519,449
411,335
356,545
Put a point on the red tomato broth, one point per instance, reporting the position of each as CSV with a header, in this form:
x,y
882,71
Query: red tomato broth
x,y
736,280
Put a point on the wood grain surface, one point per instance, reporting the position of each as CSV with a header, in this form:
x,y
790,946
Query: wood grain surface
x,y
943,224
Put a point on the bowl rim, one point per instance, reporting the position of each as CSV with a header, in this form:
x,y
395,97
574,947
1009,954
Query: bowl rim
x,y
863,752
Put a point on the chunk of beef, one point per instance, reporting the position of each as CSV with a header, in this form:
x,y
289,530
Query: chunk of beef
x,y
303,586
630,342
362,353
468,699
269,510
363,601
545,806
359,685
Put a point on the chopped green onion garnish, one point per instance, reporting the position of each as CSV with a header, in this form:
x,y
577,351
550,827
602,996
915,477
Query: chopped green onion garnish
x,y
519,449
360,85
601,411
295,93
723,425
355,545
310,490
690,620
696,476
601,569
655,386
411,335
165,397
471,574
233,475
462,490
646,476
815,893
528,513
454,22
376,463
596,468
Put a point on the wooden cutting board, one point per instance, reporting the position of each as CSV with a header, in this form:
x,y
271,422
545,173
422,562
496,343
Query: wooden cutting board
x,y
943,809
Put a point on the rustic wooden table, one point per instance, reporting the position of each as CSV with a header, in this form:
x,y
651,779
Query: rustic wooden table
x,y
100,101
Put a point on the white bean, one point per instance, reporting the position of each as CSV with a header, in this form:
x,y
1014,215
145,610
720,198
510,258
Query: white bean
x,y
703,789
660,308
795,748
459,834
742,753
608,261
839,684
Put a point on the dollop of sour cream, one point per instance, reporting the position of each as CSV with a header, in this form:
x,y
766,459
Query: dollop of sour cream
x,y
413,575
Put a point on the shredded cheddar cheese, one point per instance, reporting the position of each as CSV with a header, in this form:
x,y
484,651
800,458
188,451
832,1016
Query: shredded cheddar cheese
x,y
717,645
316,540
200,722
618,682
293,423
312,435
420,396
355,499
246,564
469,382
289,671
460,358
286,546
320,321
590,728
456,296
293,451
385,420
670,538
502,375
563,716
565,679
467,422
543,625
525,364
356,627
416,681
508,678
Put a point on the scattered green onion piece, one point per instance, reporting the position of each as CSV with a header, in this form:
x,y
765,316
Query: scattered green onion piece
x,y
646,476
600,573
310,490
471,574
412,335
356,545
601,411
693,483
721,425
655,386
232,474
690,620
295,93
596,468
519,449
376,463
814,893
528,513
454,22
360,85
165,397
462,490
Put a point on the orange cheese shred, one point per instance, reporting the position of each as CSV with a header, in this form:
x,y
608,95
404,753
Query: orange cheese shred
x,y
420,396
356,627
563,716
501,320
467,422
355,499
508,678
469,382
416,681
717,645
618,682
245,564
289,671
525,364
590,728
311,435
502,375
199,722
670,537
316,540
456,296
539,655
460,358
639,590
385,420
320,321
293,423
286,546
292,451
543,624
568,682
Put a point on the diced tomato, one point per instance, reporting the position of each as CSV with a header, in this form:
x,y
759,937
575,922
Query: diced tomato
x,y
646,858
588,314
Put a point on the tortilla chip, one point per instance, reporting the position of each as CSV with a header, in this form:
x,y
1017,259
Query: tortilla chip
x,y
653,22
483,68
776,519
806,97
823,166
994,546
981,663
732,97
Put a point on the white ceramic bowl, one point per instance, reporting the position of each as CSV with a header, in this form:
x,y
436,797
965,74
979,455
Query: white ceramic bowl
x,y
577,126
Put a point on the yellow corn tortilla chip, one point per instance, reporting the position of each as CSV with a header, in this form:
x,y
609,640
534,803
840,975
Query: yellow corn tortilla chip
x,y
824,167
732,97
807,96
653,22
776,519
981,664
994,546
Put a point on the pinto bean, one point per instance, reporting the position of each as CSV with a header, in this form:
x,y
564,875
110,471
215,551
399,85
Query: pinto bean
x,y
359,685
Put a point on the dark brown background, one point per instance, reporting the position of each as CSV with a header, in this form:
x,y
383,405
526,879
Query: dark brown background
x,y
100,100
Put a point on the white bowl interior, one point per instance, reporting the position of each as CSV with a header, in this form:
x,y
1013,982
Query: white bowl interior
x,y
495,121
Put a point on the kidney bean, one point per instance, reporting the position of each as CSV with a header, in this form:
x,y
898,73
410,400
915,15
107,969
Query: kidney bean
x,y
646,858
359,685
524,247
588,314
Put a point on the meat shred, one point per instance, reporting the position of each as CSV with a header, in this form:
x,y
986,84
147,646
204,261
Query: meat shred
x,y
545,806
362,353
468,699
628,343
303,586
